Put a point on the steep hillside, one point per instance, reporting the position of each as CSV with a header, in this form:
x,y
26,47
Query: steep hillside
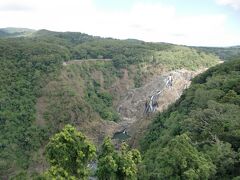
x,y
91,94
96,87
80,95
198,136
43,88
132,107
25,66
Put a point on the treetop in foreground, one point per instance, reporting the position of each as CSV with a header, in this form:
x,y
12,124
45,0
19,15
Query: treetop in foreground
x,y
69,153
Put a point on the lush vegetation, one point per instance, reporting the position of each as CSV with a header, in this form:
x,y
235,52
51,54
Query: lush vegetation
x,y
128,52
223,53
24,64
79,95
96,95
198,137
69,154
29,63
125,53
117,165
183,57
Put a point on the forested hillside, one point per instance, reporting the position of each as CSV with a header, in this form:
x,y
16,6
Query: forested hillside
x,y
25,65
198,136
32,68
224,53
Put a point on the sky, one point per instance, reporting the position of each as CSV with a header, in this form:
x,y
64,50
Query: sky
x,y
187,22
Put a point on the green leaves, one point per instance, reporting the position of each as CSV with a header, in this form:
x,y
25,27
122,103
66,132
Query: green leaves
x,y
69,154
179,160
24,65
58,173
107,161
207,113
179,57
71,151
117,165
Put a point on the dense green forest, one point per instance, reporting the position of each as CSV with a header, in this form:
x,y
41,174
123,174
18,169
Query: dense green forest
x,y
198,136
224,53
29,63
69,154
25,64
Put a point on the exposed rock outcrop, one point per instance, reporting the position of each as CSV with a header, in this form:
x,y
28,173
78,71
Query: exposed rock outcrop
x,y
158,91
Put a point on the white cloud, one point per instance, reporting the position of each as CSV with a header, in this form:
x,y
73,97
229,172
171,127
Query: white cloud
x,y
145,21
235,4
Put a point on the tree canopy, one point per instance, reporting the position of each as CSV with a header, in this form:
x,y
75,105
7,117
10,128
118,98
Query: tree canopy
x,y
198,136
118,165
69,153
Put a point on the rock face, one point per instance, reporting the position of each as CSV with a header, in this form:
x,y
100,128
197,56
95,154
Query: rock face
x,y
131,107
158,91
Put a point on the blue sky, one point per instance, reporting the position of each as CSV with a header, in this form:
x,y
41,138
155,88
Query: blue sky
x,y
189,22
